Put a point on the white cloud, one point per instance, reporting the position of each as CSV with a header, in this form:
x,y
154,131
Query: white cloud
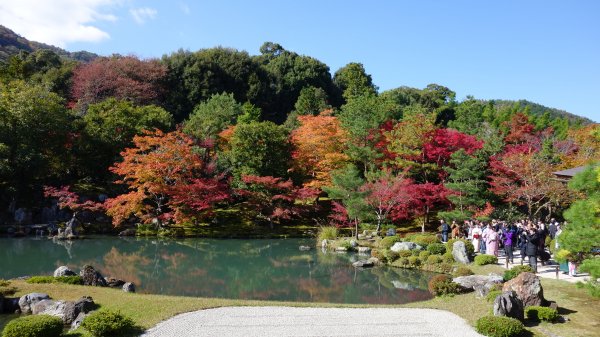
x,y
140,15
185,8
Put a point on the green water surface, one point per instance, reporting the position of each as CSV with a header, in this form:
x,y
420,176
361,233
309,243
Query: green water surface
x,y
272,269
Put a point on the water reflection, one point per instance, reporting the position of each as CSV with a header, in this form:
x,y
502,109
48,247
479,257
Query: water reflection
x,y
245,269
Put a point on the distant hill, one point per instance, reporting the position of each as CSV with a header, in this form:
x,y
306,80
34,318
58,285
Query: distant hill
x,y
11,43
539,110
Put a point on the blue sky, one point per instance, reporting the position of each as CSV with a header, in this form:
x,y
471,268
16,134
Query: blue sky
x,y
544,51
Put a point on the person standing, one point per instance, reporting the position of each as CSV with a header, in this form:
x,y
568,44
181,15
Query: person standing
x,y
552,228
531,250
445,230
491,242
476,233
509,237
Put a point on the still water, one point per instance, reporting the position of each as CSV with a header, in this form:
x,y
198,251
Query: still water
x,y
272,269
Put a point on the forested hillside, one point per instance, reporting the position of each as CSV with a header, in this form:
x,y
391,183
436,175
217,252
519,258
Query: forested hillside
x,y
172,140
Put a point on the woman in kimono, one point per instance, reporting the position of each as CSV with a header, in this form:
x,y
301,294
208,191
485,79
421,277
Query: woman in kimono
x,y
491,242
476,234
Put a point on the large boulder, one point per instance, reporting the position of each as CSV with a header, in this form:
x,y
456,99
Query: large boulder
x,y
73,309
129,287
398,246
364,250
49,307
77,321
528,289
26,302
363,264
510,305
91,277
114,282
63,271
480,283
459,252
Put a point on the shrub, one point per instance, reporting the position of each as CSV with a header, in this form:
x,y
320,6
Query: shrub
x,y
34,326
445,268
414,261
484,259
463,271
448,258
491,296
515,271
41,279
537,313
405,253
440,285
327,233
436,249
499,326
388,241
376,253
468,246
423,255
563,255
423,239
434,259
107,323
415,252
401,262
390,255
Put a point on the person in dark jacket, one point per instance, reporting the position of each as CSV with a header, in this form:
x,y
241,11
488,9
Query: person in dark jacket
x,y
445,230
531,250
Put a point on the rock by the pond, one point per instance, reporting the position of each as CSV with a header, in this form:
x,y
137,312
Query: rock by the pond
x,y
72,310
324,243
459,252
129,287
114,282
398,246
127,232
353,243
375,261
77,321
363,264
26,302
49,307
390,232
364,250
481,283
341,249
63,271
528,289
303,248
510,305
91,277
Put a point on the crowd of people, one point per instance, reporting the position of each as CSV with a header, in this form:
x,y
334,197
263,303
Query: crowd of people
x,y
529,237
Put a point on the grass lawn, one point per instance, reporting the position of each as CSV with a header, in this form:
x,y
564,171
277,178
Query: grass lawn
x,y
577,305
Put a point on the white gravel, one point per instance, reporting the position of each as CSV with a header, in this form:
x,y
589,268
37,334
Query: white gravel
x,y
288,321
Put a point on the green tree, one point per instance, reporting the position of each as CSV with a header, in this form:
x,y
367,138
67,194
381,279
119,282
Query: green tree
x,y
34,143
250,113
260,149
353,81
213,116
311,101
468,116
466,181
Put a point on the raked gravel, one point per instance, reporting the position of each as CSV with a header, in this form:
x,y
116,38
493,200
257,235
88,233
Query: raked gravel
x,y
321,322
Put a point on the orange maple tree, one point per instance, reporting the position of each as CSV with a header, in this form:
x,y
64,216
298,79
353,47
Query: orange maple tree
x,y
319,145
161,171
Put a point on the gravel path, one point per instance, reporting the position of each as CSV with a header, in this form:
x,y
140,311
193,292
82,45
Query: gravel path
x,y
322,322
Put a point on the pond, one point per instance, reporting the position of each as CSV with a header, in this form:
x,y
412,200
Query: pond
x,y
272,269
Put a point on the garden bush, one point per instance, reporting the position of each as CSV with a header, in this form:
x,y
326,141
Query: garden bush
x,y
436,249
423,239
34,326
491,296
405,253
327,233
445,268
414,261
41,279
105,323
448,258
537,313
391,256
423,255
499,326
468,246
463,271
440,285
376,253
515,271
401,262
388,241
484,259
74,279
415,252
434,259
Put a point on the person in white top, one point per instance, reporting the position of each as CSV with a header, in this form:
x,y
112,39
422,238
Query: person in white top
x,y
476,237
